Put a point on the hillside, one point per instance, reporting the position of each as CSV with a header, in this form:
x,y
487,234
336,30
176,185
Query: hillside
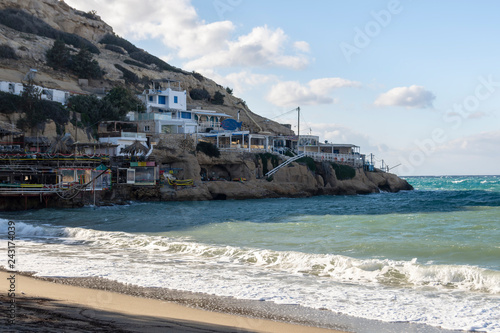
x,y
29,29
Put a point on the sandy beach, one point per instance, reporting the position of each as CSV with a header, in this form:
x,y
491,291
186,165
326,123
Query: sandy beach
x,y
43,306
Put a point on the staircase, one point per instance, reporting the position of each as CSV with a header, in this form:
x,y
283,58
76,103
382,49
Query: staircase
x,y
290,160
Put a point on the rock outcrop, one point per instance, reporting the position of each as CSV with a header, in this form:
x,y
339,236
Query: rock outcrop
x,y
240,176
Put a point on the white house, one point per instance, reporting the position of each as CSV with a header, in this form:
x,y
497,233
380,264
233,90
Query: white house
x,y
166,109
46,93
11,87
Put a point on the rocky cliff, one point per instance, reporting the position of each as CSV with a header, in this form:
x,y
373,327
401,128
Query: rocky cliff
x,y
240,176
31,48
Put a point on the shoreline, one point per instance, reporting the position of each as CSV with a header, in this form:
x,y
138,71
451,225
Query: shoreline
x,y
80,302
70,303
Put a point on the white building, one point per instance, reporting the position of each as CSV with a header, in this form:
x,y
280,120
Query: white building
x,y
122,141
46,93
166,111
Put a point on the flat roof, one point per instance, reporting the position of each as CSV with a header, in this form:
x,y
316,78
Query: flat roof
x,y
209,113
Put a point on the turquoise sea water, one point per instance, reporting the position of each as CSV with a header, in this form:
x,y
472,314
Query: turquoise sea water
x,y
426,256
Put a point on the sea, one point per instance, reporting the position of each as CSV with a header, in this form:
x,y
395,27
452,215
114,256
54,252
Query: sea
x,y
429,256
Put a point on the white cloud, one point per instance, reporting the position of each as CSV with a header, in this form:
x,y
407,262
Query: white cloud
x,y
302,46
485,143
204,45
410,97
175,22
262,47
318,91
239,81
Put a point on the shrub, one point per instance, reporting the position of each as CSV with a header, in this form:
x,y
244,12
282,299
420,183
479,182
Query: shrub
x,y
218,98
198,76
92,15
38,111
84,66
135,63
9,103
22,21
343,172
199,94
7,52
123,100
118,41
81,64
229,90
128,76
309,162
265,157
138,54
208,149
58,56
114,48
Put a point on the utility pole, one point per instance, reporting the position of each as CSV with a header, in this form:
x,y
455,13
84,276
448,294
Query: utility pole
x,y
298,129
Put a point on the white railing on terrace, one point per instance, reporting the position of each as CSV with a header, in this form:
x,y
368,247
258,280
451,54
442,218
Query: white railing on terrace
x,y
133,135
352,159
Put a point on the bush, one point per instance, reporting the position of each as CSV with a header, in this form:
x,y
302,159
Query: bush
x,y
84,66
114,48
92,15
265,157
128,76
38,111
8,52
9,103
229,90
135,63
123,100
343,172
138,54
198,76
199,94
208,149
309,162
118,41
58,56
218,98
24,22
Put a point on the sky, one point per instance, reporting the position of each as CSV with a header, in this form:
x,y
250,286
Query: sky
x,y
415,83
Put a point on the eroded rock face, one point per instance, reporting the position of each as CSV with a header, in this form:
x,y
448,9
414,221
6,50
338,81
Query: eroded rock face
x,y
239,176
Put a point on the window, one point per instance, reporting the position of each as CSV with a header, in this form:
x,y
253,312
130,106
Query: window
x,y
146,128
186,115
161,100
176,100
150,98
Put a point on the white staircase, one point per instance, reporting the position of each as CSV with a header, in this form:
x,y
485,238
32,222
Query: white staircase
x,y
290,160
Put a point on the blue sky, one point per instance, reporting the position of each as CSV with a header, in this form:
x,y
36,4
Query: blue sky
x,y
416,83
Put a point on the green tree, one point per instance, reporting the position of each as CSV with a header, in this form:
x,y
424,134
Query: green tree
x,y
85,66
218,98
90,107
122,100
58,56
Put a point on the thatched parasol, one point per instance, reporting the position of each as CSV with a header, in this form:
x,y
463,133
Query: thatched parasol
x,y
61,145
9,129
136,148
